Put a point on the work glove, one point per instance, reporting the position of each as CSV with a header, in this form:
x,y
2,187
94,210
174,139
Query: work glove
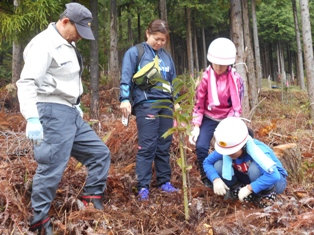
x,y
195,133
78,107
34,130
220,188
244,192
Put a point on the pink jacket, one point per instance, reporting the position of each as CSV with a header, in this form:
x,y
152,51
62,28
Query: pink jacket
x,y
230,91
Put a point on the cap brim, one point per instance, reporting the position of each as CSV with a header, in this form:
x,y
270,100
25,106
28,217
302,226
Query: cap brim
x,y
85,32
228,151
220,61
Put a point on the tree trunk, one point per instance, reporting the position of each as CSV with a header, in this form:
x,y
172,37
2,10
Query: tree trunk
x,y
139,34
17,64
237,38
94,61
204,49
189,43
308,52
258,65
291,159
163,10
300,72
253,93
163,16
113,61
197,67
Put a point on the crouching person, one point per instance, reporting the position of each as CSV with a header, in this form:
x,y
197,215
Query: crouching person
x,y
243,167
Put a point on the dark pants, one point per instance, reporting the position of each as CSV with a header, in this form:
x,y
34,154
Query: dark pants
x,y
66,134
207,130
151,146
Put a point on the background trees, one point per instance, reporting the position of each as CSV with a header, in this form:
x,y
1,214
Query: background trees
x,y
265,32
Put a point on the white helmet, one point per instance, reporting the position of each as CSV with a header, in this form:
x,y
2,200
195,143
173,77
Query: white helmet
x,y
231,135
221,51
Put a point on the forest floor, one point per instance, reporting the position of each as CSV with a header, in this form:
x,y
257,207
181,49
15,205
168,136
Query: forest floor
x,y
279,118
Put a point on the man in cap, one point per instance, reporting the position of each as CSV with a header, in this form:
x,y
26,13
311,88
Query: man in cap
x,y
48,90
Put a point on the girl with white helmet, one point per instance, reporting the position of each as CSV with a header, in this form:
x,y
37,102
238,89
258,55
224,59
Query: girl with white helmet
x,y
243,167
218,96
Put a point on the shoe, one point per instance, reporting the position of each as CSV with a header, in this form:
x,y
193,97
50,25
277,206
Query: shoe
x,y
42,227
143,194
168,187
96,200
267,200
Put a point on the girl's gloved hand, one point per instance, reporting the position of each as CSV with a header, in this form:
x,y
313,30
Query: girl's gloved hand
x,y
195,133
244,192
220,188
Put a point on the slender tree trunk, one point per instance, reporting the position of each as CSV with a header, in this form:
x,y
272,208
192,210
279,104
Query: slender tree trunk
x,y
17,64
253,93
282,73
130,32
17,61
204,49
189,43
197,66
94,61
300,72
308,52
139,34
163,10
237,37
163,16
258,65
114,62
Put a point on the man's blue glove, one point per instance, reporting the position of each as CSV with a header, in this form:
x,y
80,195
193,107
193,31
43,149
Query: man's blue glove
x,y
34,130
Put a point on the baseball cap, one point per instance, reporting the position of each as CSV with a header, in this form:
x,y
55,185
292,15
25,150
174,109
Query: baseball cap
x,y
82,18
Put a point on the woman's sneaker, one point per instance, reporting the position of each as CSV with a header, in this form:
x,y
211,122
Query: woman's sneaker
x,y
168,187
143,194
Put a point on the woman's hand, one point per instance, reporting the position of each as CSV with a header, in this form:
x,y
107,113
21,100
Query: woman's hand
x,y
126,108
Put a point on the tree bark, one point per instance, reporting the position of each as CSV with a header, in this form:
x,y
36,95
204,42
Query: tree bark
x,y
114,60
300,72
253,93
237,38
258,65
94,61
17,64
163,10
164,17
189,43
197,67
308,52
204,49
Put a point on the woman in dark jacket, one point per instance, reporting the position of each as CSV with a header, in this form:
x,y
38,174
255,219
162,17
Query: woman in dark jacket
x,y
138,101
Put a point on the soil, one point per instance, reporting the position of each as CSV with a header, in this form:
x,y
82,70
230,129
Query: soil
x,y
276,121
